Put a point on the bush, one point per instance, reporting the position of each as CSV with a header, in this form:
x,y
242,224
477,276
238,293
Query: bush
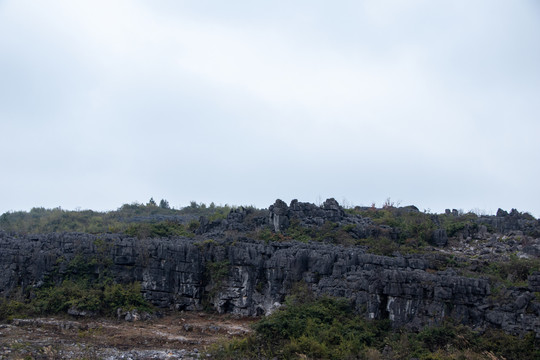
x,y
513,272
326,328
163,229
125,296
11,308
322,328
80,287
101,299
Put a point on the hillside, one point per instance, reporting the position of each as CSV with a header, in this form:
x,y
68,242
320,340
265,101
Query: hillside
x,y
413,269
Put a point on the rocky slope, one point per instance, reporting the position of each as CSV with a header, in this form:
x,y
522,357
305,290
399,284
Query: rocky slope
x,y
226,267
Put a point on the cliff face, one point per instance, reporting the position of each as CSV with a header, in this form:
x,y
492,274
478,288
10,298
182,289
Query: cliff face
x,y
249,277
224,268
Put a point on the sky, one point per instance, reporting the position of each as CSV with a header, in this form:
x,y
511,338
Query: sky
x,y
431,103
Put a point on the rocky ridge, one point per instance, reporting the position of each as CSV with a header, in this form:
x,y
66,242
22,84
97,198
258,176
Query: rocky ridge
x,y
226,268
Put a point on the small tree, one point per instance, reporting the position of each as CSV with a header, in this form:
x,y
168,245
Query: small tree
x,y
151,202
164,204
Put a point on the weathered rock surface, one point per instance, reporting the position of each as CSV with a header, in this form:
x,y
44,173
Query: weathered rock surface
x,y
249,277
175,273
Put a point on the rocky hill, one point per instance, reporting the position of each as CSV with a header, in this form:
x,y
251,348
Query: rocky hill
x,y
413,268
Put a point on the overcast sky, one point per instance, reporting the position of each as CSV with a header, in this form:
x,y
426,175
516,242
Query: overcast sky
x,y
432,103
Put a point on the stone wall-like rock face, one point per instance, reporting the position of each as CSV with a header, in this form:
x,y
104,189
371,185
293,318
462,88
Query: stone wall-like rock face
x,y
177,273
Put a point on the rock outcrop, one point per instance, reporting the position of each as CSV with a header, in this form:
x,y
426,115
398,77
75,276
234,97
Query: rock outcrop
x,y
244,276
177,273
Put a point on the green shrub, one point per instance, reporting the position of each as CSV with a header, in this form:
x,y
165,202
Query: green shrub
x,y
125,296
84,285
508,346
215,274
322,328
41,220
513,272
380,246
217,271
102,299
434,338
161,229
326,328
11,308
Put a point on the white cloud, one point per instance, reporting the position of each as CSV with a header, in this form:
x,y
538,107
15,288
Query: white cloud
x,y
414,94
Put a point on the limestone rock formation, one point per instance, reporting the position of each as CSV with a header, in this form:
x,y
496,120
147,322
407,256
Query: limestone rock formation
x,y
174,273
246,276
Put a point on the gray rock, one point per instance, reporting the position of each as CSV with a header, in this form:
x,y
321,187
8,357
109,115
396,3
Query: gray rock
x,y
254,278
279,216
81,313
439,237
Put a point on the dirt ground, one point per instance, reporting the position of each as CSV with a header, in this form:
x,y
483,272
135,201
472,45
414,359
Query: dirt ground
x,y
174,336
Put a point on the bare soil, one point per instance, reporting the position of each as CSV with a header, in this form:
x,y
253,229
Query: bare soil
x,y
174,336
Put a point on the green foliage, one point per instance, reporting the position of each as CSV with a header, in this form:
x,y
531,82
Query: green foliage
x,y
329,232
234,349
98,298
513,272
321,329
57,299
269,236
217,271
125,296
409,224
380,246
326,328
164,229
205,244
508,346
164,204
212,212
134,218
84,284
215,274
454,224
193,225
12,308
434,338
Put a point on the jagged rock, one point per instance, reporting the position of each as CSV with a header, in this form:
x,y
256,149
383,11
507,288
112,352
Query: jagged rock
x,y
236,221
253,278
279,215
174,273
439,237
501,213
534,282
333,211
505,222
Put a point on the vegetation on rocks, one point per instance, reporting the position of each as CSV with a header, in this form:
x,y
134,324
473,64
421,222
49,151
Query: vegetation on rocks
x,y
490,260
84,287
141,220
324,328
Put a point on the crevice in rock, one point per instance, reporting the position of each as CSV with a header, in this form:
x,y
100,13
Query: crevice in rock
x,y
383,310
